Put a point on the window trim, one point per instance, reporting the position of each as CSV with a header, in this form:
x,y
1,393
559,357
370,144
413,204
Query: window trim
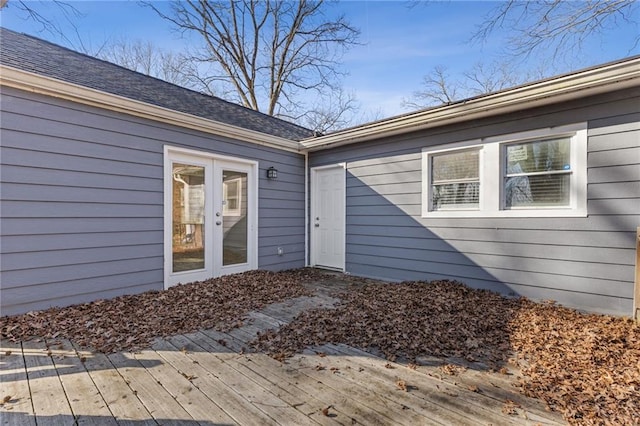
x,y
430,184
491,173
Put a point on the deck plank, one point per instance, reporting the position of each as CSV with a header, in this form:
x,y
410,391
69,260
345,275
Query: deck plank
x,y
87,404
160,404
305,403
123,403
498,386
475,405
50,403
234,404
285,390
13,383
256,395
377,402
183,391
342,400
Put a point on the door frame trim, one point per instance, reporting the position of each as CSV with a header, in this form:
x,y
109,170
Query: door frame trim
x,y
252,200
313,209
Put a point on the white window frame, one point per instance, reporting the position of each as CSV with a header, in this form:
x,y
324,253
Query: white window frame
x,y
436,153
492,168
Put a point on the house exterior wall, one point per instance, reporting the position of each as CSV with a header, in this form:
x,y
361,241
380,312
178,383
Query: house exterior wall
x,y
81,192
584,262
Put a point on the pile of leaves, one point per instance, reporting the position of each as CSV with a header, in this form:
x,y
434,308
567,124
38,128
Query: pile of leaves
x,y
132,322
586,366
406,320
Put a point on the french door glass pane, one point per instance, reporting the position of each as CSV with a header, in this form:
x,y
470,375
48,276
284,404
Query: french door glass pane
x,y
188,217
234,215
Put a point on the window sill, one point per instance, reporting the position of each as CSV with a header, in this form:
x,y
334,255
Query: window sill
x,y
520,213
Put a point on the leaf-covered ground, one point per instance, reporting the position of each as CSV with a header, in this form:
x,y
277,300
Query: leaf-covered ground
x,y
132,322
585,366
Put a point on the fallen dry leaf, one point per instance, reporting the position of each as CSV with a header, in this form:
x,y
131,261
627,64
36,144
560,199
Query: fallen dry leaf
x,y
509,407
189,376
6,399
402,385
452,369
325,410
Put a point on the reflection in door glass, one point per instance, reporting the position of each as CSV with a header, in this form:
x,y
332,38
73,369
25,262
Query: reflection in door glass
x,y
234,209
188,217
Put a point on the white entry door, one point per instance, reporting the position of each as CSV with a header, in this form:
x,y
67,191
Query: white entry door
x,y
328,217
210,217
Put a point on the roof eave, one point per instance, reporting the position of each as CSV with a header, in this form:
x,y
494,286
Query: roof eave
x,y
616,76
36,83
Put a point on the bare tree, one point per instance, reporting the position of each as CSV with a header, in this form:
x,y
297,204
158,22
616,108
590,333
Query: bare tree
x,y
558,26
440,88
335,111
274,55
483,78
146,58
40,12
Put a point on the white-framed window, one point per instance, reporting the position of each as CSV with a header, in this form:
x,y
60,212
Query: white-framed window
x,y
529,174
455,180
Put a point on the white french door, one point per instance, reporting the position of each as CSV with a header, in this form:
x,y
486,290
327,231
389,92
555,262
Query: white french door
x,y
328,217
210,216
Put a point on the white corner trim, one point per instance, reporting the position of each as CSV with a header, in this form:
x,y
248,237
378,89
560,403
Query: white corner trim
x,y
593,81
35,83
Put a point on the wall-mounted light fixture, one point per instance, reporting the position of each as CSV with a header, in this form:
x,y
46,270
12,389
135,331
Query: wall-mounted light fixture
x,y
272,173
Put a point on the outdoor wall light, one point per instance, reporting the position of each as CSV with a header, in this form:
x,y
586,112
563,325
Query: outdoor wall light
x,y
272,173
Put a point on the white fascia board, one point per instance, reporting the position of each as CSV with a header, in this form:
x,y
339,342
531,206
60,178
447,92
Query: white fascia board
x,y
36,83
617,76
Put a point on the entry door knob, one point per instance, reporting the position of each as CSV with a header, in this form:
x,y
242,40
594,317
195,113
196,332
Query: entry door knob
x,y
218,222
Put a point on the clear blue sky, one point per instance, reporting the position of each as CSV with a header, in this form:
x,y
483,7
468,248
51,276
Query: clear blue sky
x,y
400,43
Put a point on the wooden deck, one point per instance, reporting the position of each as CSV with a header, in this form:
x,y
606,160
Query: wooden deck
x,y
209,378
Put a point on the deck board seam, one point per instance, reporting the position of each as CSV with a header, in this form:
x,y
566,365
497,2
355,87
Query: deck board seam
x,y
26,375
75,350
64,390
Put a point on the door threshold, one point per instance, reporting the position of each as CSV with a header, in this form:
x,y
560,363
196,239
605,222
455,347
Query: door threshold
x,y
329,268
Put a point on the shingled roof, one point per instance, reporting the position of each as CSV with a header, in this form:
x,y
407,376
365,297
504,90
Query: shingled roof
x,y
32,54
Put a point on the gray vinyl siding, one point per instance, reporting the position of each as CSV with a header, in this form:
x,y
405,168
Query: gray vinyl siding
x,y
81,193
586,263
